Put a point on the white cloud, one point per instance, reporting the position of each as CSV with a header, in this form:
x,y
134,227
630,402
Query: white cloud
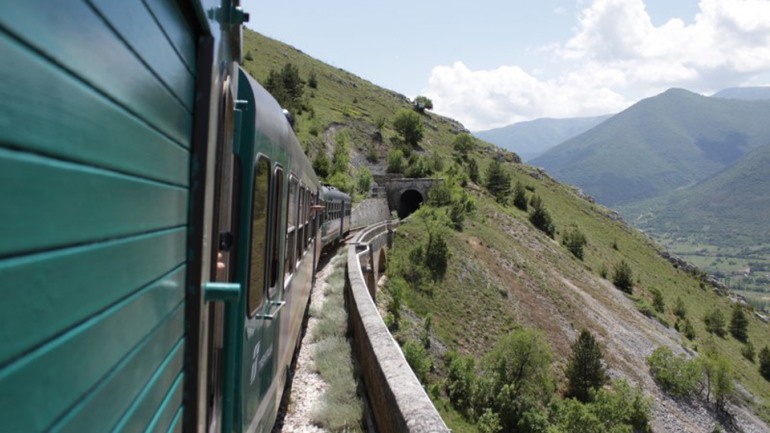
x,y
615,57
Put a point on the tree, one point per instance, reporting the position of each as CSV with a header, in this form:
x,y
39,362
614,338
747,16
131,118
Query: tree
x,y
623,277
498,181
312,80
715,322
437,254
364,180
520,196
463,144
575,241
764,363
718,378
286,87
540,217
408,125
341,155
739,324
585,370
422,103
680,310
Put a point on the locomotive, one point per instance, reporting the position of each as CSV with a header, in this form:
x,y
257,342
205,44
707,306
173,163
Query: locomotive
x,y
160,225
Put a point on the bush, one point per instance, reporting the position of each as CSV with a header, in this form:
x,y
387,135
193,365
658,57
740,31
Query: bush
x,y
418,167
676,375
395,161
657,300
312,80
473,170
540,217
463,144
748,351
321,165
341,181
623,277
437,255
764,363
715,322
680,310
575,241
364,180
422,103
418,359
717,377
408,125
397,289
461,375
440,194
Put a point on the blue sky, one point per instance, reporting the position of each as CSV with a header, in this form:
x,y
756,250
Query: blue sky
x,y
491,63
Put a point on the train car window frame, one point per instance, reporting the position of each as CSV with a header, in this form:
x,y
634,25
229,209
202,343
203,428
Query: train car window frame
x,y
275,209
301,223
255,294
291,228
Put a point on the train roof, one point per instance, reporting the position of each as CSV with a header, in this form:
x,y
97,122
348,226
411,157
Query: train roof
x,y
330,193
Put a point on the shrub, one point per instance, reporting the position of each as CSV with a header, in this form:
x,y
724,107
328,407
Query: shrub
x,y
341,181
395,161
657,300
440,194
437,254
748,351
422,103
688,330
364,180
397,289
463,144
341,154
248,56
623,277
680,310
418,359
408,125
418,167
321,165
473,170
676,375
312,80
461,376
715,322
764,363
717,377
540,217
575,241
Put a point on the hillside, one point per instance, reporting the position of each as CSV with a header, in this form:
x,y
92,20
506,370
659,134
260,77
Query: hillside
x,y
503,275
669,141
533,138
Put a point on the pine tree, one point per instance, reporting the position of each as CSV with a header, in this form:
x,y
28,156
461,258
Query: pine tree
x,y
739,324
622,277
498,181
585,371
520,196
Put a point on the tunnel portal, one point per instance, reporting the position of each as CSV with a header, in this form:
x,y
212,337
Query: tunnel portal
x,y
409,202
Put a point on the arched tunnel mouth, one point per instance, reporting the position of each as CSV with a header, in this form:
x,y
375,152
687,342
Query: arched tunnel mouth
x,y
409,202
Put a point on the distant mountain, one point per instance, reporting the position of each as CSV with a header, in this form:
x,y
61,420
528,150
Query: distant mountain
x,y
531,139
744,93
669,141
733,206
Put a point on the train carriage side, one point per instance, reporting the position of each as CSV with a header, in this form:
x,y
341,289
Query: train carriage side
x,y
336,218
276,253
108,112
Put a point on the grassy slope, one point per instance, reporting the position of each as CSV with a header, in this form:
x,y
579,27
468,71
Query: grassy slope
x,y
520,278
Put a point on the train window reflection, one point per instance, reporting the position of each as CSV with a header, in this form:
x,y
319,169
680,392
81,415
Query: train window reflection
x,y
256,290
275,259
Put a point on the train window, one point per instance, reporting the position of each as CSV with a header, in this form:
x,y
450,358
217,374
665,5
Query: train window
x,y
291,228
275,260
256,289
301,223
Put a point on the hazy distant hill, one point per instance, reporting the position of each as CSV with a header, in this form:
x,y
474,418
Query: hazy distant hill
x,y
744,93
669,141
731,207
531,139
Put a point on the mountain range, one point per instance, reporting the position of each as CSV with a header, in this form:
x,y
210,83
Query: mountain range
x,y
533,138
674,140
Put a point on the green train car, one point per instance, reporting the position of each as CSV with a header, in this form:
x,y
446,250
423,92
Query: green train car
x,y
158,225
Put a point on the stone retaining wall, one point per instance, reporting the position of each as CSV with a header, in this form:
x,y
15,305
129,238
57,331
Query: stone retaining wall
x,y
397,399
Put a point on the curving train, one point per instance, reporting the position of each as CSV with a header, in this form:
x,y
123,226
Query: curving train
x,y
160,224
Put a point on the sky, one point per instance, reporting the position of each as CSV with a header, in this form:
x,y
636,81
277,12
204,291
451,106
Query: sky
x,y
491,63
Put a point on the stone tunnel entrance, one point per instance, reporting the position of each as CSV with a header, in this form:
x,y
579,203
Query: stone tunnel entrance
x,y
409,202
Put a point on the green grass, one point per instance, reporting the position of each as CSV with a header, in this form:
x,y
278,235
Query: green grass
x,y
341,408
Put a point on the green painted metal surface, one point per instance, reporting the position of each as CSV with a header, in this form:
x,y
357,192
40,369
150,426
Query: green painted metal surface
x,y
74,36
66,119
96,103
